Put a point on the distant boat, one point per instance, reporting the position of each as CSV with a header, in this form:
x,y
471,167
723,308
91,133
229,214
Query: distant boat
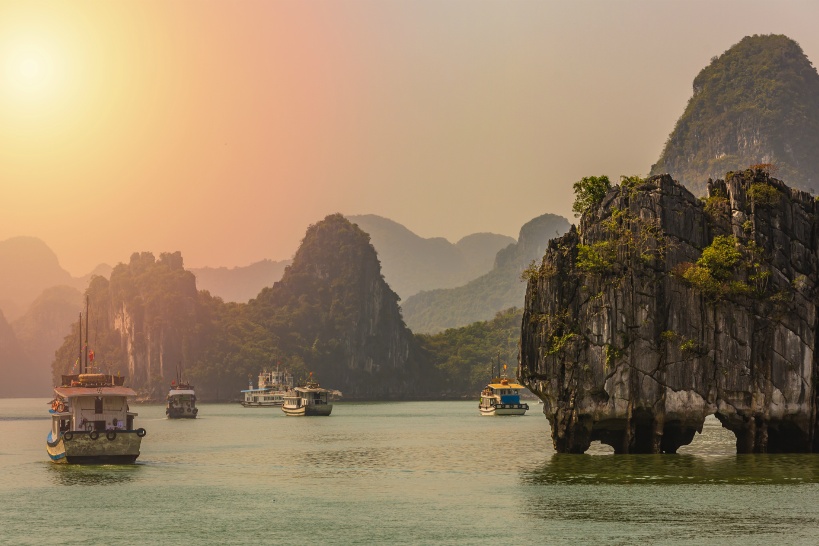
x,y
309,400
273,386
500,397
91,422
181,401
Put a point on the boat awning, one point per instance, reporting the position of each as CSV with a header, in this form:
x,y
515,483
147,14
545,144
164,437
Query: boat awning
x,y
177,392
505,386
70,392
255,390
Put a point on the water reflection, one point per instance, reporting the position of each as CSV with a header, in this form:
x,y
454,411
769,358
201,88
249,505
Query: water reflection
x,y
72,474
676,469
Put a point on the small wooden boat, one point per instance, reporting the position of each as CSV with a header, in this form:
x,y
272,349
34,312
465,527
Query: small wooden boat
x,y
308,400
501,397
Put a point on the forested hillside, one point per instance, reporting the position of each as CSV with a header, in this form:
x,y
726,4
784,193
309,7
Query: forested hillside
x,y
757,103
466,356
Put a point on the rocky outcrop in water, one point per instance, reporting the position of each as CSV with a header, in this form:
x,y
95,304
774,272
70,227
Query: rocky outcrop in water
x,y
661,309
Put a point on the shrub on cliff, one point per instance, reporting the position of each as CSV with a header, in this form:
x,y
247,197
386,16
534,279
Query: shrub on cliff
x,y
589,192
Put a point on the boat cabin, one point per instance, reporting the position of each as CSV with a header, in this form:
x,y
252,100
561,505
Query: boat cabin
x,y
94,403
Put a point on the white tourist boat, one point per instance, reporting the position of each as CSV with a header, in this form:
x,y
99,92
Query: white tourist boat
x,y
500,397
309,400
273,386
91,422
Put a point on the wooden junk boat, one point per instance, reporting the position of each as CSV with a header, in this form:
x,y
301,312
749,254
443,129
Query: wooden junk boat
x,y
91,422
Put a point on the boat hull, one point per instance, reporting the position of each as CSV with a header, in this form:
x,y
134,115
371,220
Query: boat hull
x,y
312,409
181,413
520,409
262,404
81,447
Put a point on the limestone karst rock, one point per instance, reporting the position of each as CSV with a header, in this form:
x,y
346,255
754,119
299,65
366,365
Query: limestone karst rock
x,y
756,103
662,309
334,309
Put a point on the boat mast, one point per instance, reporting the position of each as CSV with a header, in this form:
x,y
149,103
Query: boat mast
x,y
79,346
85,352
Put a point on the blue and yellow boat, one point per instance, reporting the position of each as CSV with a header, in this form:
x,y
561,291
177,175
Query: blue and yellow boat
x,y
500,397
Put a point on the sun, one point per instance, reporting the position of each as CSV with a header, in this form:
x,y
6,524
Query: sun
x,y
29,72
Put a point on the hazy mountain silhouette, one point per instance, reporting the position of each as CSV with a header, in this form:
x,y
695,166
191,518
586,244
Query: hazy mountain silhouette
x,y
757,103
43,329
480,299
239,284
27,267
411,263
19,380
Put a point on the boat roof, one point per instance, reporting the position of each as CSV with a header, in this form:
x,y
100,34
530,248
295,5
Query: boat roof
x,y
505,386
177,392
311,389
71,392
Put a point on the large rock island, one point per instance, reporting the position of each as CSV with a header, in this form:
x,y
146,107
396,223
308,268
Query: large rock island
x,y
662,309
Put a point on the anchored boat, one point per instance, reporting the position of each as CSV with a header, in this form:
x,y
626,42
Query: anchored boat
x,y
273,386
501,397
309,400
181,401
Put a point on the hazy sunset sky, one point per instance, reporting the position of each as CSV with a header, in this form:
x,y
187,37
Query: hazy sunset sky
x,y
222,129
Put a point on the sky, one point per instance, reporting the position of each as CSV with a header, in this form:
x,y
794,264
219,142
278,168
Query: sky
x,y
224,128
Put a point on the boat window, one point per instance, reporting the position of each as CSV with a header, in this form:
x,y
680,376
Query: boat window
x,y
98,405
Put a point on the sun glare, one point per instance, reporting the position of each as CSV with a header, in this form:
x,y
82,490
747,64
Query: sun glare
x,y
29,72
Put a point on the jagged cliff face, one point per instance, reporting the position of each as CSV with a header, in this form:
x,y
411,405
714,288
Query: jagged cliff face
x,y
141,324
663,309
155,321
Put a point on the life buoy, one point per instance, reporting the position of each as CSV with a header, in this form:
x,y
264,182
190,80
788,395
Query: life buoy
x,y
141,432
93,434
68,436
111,435
60,407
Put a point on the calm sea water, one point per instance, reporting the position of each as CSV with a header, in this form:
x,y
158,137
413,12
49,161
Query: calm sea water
x,y
393,473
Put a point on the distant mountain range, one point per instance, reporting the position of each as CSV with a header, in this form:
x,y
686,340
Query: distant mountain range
x,y
499,289
39,299
411,263
239,284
